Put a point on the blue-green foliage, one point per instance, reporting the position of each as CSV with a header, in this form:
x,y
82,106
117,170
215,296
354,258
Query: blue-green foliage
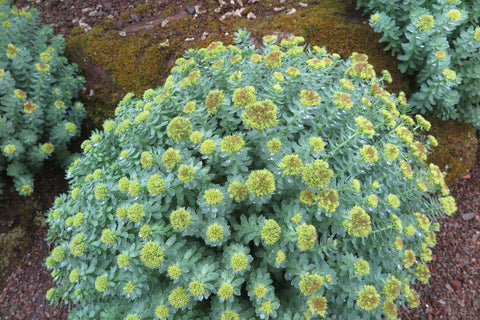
x,y
37,85
438,43
281,183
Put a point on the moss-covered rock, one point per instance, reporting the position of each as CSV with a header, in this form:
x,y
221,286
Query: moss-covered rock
x,y
456,153
117,58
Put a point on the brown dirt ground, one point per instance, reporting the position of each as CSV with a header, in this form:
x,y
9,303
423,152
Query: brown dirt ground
x,y
451,294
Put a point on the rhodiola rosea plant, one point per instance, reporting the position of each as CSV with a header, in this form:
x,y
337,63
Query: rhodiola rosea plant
x,y
37,85
272,183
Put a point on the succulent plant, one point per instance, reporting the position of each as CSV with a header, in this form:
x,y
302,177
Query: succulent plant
x,y
37,85
437,43
272,183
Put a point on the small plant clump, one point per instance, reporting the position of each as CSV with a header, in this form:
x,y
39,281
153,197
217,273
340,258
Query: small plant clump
x,y
272,183
37,86
438,44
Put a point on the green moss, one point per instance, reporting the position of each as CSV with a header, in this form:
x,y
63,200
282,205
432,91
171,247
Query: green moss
x,y
457,150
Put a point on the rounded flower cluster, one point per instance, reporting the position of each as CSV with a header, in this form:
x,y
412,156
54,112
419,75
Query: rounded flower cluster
x,y
38,116
231,199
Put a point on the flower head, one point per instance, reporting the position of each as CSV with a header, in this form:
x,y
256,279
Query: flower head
x,y
77,246
42,67
393,200
261,182
231,143
365,126
101,283
70,127
306,236
391,151
135,212
237,191
270,232
408,258
180,219
11,51
9,149
214,100
123,260
392,288
310,283
151,254
178,298
292,164
189,107
274,59
448,204
174,271
215,232
369,153
368,298
162,311
343,100
317,305
425,22
362,267
74,275
179,128
309,98
274,145
260,115
155,184
476,34
317,175
100,191
207,146
244,96
239,261
29,107
359,224
422,273
390,310
48,148
454,14
225,291
213,196
292,71
186,173
196,288
230,315
449,74
146,159
108,237
328,199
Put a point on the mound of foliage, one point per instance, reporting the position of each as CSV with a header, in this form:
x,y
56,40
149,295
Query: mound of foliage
x,y
273,183
37,85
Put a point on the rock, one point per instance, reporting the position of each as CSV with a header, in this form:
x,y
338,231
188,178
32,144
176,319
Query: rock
x,y
107,6
164,23
468,216
120,23
455,284
251,16
292,11
189,7
134,17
